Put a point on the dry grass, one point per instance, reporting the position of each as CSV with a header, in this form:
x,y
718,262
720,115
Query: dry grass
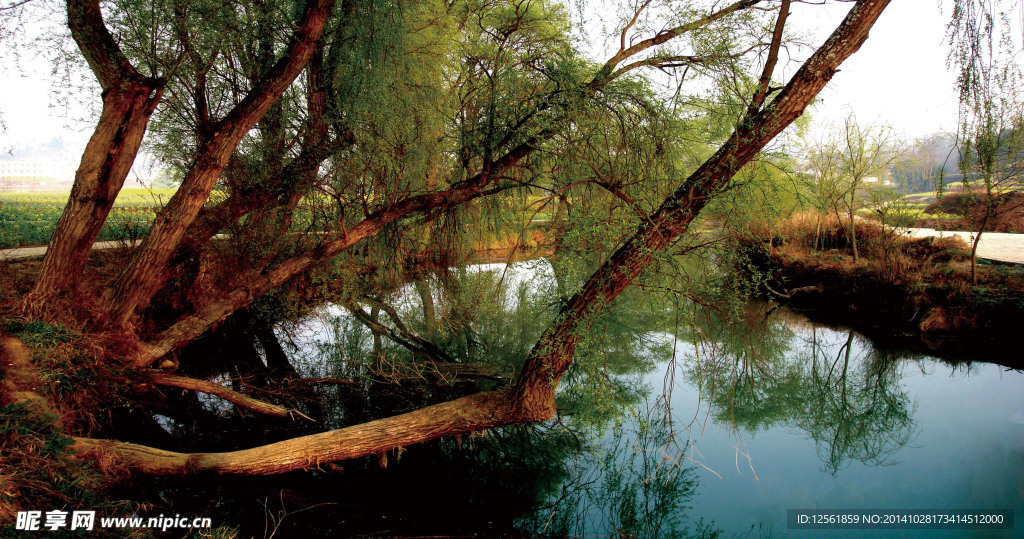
x,y
826,240
37,469
923,282
969,207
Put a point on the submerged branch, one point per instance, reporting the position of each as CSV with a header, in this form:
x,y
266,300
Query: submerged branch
x,y
234,397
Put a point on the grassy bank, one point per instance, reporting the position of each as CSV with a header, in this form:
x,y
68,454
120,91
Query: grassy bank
x,y
917,291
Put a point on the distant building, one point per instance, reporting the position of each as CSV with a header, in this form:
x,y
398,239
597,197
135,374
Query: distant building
x,y
874,179
27,176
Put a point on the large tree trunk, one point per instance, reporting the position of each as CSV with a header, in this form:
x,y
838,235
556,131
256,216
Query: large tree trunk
x,y
565,103
473,413
810,79
532,398
147,269
128,102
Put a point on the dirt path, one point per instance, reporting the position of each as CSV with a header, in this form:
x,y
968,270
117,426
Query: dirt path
x,y
28,253
20,381
993,246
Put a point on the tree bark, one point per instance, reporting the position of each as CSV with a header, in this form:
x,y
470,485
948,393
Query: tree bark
x,y
532,398
129,100
146,271
234,397
977,239
473,413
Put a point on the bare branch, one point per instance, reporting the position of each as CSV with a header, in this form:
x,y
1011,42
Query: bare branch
x,y
773,57
234,397
607,72
15,5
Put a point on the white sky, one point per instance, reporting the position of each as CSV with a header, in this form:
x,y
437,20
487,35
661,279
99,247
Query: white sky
x,y
898,77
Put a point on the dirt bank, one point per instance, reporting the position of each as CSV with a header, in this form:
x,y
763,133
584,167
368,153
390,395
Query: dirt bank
x,y
914,293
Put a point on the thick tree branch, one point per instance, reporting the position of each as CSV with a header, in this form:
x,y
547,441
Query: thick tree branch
x,y
473,413
532,398
773,58
111,67
144,273
234,397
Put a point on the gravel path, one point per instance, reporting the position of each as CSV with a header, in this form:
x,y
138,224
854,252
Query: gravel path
x,y
994,245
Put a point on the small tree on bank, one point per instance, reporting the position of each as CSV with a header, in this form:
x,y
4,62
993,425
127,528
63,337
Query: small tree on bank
x,y
992,162
847,161
991,134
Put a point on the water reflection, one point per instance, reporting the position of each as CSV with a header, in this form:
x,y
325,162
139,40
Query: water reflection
x,y
651,379
633,482
776,371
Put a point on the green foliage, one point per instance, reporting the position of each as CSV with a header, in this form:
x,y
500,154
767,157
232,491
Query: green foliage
x,y
41,334
762,192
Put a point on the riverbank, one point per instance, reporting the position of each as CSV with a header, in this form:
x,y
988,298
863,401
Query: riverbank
x,y
908,292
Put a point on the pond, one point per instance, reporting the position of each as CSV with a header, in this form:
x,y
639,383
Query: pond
x,y
676,421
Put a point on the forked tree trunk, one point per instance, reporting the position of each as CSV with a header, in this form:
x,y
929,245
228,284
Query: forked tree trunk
x,y
147,269
128,102
532,398
105,164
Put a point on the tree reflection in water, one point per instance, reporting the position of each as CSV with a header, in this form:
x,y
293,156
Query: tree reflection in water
x,y
603,467
778,370
632,482
615,462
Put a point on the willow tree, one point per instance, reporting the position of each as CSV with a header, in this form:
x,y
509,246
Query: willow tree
x,y
466,104
518,108
982,35
129,99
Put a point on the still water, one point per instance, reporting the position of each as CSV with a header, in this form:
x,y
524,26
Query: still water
x,y
923,435
657,436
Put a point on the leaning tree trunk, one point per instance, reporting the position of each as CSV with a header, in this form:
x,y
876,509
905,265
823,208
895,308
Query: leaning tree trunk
x,y
532,397
128,102
146,271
